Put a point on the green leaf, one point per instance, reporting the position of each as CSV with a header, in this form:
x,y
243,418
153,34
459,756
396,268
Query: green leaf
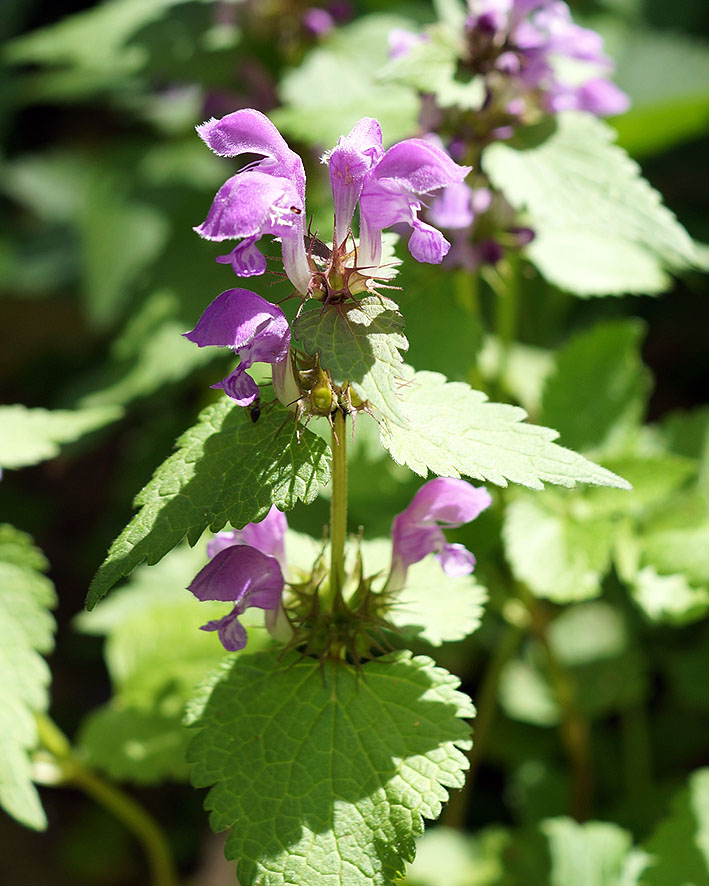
x,y
445,857
326,773
360,344
436,607
433,607
336,85
669,599
149,353
226,469
599,387
453,431
29,436
561,552
679,848
144,670
600,228
684,550
26,630
130,744
666,76
432,66
595,853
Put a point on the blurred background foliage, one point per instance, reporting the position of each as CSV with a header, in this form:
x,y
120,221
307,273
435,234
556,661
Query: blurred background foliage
x,y
593,697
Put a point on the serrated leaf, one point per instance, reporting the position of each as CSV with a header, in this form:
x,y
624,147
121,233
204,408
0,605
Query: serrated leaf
x,y
29,436
599,386
336,85
679,848
454,431
130,744
226,469
560,554
433,607
436,607
361,344
26,630
600,227
324,773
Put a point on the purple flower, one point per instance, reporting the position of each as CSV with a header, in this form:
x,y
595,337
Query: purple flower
x,y
253,327
350,161
267,536
266,197
318,21
417,532
522,40
401,42
390,195
242,575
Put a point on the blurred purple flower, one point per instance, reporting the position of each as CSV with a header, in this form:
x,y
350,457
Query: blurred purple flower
x,y
417,531
318,21
522,38
401,42
244,576
253,327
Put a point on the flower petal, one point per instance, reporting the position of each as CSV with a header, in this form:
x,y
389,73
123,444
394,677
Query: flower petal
x,y
267,536
427,244
456,560
239,385
231,632
239,318
253,203
449,501
350,162
243,575
245,259
245,132
452,207
420,167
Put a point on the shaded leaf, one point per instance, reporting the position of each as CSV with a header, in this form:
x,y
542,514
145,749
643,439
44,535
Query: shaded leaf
x,y
324,774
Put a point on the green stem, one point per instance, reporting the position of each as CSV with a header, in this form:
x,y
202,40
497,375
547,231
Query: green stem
x,y
134,817
574,728
486,705
338,509
506,288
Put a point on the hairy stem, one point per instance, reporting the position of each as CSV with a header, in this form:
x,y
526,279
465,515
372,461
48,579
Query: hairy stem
x,y
338,508
128,811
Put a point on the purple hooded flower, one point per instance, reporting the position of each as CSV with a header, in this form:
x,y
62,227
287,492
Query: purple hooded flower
x,y
401,42
318,21
266,197
253,327
267,536
390,195
417,531
244,576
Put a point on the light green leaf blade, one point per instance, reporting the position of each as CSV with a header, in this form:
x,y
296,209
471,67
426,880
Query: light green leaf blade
x,y
679,848
560,553
29,436
26,630
600,227
130,744
599,386
446,857
226,469
595,853
454,431
669,599
360,344
436,607
326,774
336,85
